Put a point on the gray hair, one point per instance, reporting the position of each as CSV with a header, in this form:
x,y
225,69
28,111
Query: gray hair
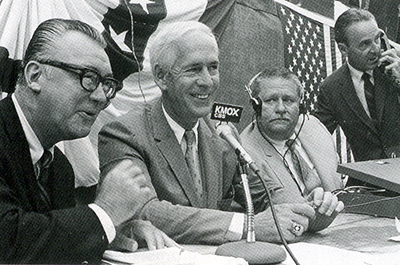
x,y
165,47
255,82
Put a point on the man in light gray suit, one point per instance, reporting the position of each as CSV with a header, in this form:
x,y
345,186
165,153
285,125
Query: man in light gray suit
x,y
295,153
190,183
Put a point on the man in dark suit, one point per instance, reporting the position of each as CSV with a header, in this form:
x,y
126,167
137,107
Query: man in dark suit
x,y
363,95
189,169
65,83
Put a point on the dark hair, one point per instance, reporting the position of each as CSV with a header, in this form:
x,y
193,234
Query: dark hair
x,y
348,18
49,31
255,83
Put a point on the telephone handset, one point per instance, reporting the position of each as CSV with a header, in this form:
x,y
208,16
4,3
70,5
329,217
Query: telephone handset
x,y
385,45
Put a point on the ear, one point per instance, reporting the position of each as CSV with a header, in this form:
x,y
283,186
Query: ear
x,y
32,72
160,78
343,49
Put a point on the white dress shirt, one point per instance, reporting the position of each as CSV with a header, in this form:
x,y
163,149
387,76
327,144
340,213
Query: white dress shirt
x,y
359,85
237,223
36,150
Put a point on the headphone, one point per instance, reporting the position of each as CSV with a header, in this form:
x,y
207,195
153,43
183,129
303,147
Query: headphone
x,y
257,102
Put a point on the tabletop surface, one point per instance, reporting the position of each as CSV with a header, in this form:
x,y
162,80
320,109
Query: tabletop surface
x,y
357,232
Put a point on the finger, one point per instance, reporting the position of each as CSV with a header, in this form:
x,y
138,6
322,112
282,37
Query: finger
x,y
303,209
332,206
326,203
318,196
169,242
339,207
159,240
151,240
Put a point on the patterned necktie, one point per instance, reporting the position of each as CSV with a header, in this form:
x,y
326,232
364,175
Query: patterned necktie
x,y
190,139
369,95
44,164
309,178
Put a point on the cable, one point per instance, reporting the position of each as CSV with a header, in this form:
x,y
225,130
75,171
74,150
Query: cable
x,y
133,51
287,150
284,242
276,219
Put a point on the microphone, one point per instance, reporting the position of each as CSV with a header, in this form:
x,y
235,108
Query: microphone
x,y
225,132
250,250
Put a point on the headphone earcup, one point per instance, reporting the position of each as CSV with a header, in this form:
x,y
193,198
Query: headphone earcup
x,y
257,105
302,108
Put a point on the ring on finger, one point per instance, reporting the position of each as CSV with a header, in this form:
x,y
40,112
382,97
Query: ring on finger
x,y
296,228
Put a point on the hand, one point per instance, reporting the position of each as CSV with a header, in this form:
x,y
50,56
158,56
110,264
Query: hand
x,y
293,220
327,208
324,202
143,232
123,191
391,58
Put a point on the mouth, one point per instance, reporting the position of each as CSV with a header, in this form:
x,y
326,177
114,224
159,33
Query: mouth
x,y
201,96
90,114
280,119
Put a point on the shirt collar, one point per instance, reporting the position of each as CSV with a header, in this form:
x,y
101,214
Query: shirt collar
x,y
35,147
178,130
358,74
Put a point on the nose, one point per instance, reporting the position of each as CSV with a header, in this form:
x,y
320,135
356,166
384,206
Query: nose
x,y
280,106
99,95
205,78
376,47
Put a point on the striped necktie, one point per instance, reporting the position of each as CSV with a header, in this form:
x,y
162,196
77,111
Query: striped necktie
x,y
190,139
309,178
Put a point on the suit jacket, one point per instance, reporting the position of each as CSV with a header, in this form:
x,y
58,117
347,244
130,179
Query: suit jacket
x,y
148,140
32,230
338,104
319,146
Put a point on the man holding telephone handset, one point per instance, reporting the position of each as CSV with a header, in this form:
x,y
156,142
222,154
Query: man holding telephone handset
x,y
363,95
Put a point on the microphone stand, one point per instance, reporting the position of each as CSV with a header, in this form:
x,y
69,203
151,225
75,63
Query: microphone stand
x,y
250,250
251,236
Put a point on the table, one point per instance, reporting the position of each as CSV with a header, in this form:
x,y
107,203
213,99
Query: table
x,y
357,232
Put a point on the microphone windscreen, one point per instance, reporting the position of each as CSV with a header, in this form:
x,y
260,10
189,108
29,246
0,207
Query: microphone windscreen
x,y
254,253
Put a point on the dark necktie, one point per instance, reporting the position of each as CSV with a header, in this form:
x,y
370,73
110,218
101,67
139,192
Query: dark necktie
x,y
309,178
369,95
44,164
190,139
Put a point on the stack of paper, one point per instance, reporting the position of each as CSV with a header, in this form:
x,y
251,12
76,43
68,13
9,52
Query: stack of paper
x,y
168,256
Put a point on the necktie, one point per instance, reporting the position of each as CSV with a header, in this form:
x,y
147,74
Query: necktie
x,y
190,139
44,163
309,178
369,95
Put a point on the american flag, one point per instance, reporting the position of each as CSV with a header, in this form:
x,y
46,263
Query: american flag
x,y
311,53
309,49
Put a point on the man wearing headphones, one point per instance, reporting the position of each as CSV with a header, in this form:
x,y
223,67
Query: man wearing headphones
x,y
295,153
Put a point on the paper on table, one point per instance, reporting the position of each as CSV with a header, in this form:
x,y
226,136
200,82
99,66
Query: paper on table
x,y
169,256
397,223
312,254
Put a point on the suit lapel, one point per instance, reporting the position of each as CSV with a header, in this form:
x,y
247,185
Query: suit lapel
x,y
381,91
24,175
272,158
349,94
169,147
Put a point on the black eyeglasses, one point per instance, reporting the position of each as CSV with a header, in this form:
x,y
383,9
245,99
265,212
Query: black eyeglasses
x,y
89,78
